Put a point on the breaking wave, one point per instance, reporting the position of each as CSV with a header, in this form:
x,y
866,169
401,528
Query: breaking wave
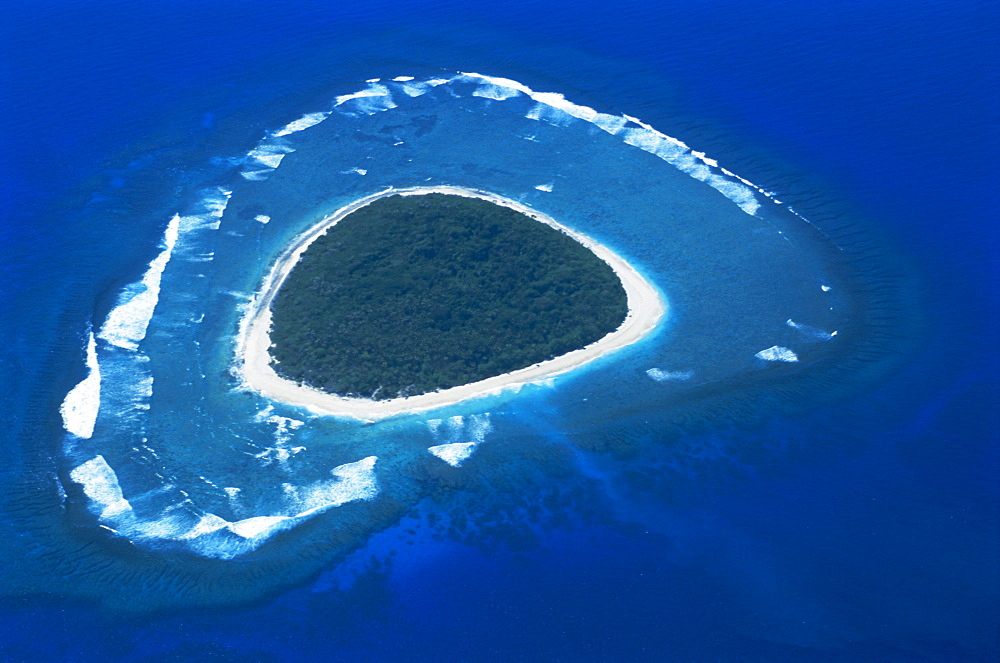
x,y
82,403
462,437
211,535
127,323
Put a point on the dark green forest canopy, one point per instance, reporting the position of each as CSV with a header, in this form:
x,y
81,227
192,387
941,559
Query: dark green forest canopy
x,y
412,294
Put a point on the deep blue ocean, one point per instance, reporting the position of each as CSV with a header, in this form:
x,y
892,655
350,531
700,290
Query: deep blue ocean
x,y
676,504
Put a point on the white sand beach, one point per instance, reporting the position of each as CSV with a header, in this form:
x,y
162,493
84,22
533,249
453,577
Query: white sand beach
x,y
646,308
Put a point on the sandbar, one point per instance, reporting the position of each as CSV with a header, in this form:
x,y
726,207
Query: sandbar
x,y
646,308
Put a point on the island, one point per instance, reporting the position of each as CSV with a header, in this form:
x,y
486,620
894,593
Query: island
x,y
412,299
413,294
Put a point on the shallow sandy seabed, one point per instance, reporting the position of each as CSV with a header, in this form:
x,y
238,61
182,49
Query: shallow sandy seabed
x,y
646,309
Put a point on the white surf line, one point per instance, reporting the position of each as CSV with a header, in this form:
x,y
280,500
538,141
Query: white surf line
x,y
83,402
646,308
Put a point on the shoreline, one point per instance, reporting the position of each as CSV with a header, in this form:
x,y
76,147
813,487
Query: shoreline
x,y
253,362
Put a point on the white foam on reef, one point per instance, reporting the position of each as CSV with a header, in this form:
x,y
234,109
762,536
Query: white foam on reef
x,y
304,122
478,426
661,375
254,528
454,453
695,164
777,353
371,100
211,535
142,391
208,523
272,149
272,160
556,109
100,485
415,89
814,333
463,435
126,325
553,116
270,154
80,407
279,454
547,188
497,92
256,175
350,482
215,201
553,108
284,426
